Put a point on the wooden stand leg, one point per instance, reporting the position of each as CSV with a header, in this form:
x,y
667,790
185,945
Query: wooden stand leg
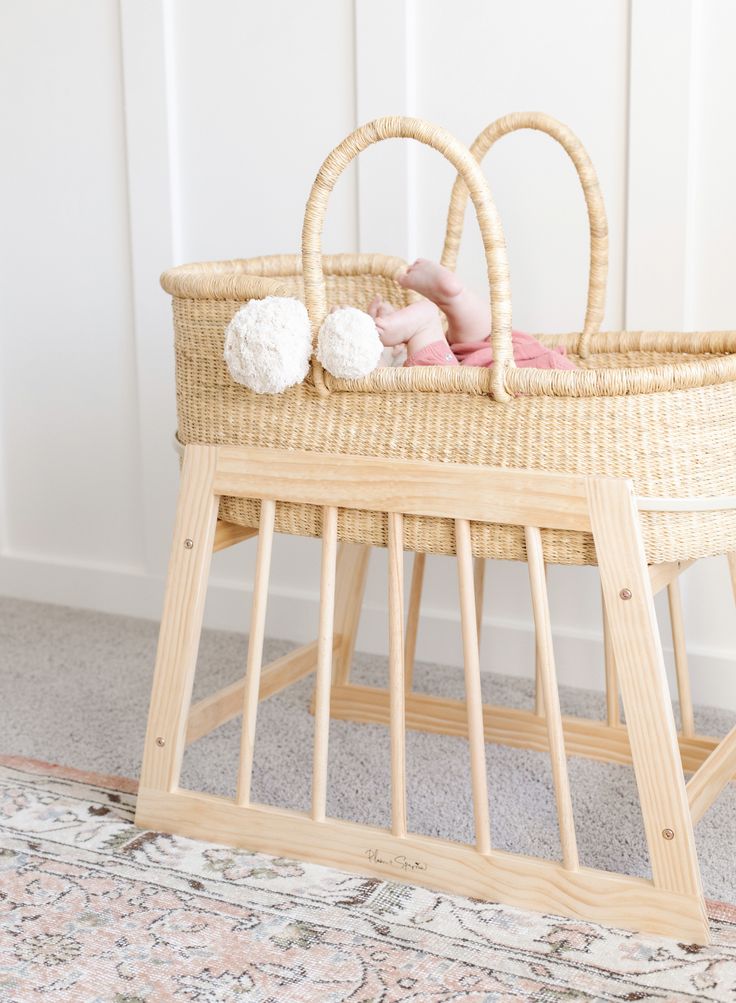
x,y
613,709
682,670
412,617
352,569
181,622
651,728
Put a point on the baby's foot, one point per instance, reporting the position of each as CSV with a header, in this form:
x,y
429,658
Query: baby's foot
x,y
434,281
468,316
416,325
379,307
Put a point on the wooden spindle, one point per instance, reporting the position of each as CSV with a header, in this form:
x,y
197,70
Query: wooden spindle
x,y
545,652
255,650
396,671
473,697
324,662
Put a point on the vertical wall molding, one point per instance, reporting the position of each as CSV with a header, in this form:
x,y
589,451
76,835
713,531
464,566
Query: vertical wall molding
x,y
658,279
150,127
385,84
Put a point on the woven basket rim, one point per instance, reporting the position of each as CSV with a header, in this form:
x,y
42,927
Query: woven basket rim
x,y
239,279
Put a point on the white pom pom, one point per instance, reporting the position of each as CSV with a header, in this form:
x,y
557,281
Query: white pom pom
x,y
268,344
349,346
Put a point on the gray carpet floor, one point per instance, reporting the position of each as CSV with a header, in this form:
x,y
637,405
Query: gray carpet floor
x,y
74,689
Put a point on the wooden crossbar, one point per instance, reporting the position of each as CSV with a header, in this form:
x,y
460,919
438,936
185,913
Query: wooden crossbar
x,y
709,780
408,487
227,703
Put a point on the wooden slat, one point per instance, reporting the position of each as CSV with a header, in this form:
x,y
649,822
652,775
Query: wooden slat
x,y
324,664
707,783
473,697
181,621
396,672
548,679
412,618
416,487
520,729
525,882
229,533
255,650
682,671
640,664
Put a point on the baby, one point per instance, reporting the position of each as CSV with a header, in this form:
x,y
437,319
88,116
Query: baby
x,y
419,325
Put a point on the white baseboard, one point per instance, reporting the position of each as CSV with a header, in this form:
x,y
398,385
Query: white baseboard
x,y
507,645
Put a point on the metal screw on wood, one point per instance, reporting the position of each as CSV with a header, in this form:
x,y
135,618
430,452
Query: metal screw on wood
x,y
161,742
668,833
188,543
625,594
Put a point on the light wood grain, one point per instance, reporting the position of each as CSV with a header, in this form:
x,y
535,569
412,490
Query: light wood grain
x,y
707,783
641,671
682,670
525,882
227,703
181,621
255,650
520,729
473,697
732,572
660,575
324,663
548,680
396,672
613,706
412,487
412,617
229,533
479,577
352,570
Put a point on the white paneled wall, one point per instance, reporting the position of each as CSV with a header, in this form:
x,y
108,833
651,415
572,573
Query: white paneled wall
x,y
139,133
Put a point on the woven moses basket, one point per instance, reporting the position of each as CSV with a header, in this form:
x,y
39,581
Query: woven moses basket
x,y
652,406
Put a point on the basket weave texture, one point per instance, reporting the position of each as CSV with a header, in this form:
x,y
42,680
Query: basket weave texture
x,y
656,407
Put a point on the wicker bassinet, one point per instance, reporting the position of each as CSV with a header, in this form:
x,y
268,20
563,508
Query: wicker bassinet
x,y
656,407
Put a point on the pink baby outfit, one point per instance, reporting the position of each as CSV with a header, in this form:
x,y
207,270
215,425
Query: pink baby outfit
x,y
528,352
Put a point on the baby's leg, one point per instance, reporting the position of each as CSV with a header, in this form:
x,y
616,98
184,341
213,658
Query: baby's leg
x,y
416,325
468,316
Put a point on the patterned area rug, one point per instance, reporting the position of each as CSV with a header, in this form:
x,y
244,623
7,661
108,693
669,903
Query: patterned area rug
x,y
93,909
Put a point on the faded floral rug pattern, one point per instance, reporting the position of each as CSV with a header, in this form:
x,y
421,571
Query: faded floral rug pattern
x,y
93,909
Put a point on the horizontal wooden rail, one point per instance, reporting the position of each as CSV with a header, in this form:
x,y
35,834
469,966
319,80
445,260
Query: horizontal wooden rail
x,y
707,783
410,487
521,729
661,575
521,881
229,533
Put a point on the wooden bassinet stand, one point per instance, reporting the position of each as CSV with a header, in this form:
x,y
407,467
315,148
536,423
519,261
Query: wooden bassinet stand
x,y
471,509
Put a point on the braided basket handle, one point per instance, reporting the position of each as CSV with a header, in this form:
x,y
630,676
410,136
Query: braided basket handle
x,y
400,127
593,198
